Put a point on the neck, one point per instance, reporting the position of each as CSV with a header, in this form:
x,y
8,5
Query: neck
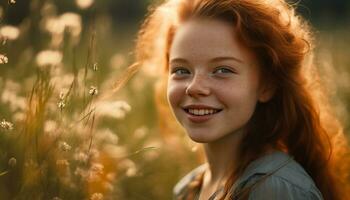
x,y
222,157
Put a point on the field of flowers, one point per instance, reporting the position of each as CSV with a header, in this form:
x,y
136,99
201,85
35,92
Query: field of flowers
x,y
79,120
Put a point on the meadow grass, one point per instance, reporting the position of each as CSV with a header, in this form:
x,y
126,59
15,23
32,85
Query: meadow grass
x,y
78,121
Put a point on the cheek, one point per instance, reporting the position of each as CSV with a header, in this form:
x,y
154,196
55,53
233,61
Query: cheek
x,y
240,99
174,93
248,88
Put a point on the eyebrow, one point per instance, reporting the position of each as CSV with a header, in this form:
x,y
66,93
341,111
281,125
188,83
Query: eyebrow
x,y
216,59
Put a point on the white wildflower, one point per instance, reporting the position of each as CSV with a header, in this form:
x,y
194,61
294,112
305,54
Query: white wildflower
x,y
126,164
114,151
12,1
50,126
7,126
97,168
81,157
92,176
106,136
62,95
48,57
72,22
64,146
53,25
3,59
9,32
14,86
81,131
81,172
10,96
84,4
18,116
94,153
12,162
115,109
131,171
62,163
140,132
95,67
93,91
96,196
62,82
129,166
61,104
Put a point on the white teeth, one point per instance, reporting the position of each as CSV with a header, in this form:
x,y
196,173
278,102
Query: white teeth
x,y
202,111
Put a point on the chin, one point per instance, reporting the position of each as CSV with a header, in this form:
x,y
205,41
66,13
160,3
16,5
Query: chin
x,y
199,138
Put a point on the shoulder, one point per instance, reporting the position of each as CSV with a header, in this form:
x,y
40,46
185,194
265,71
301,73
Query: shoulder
x,y
278,176
183,183
277,187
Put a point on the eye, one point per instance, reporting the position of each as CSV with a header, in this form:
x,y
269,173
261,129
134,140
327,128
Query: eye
x,y
223,70
180,71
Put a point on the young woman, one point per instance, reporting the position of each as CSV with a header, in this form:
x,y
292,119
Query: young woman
x,y
238,83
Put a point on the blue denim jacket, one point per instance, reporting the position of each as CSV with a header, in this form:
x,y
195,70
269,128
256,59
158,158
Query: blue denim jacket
x,y
272,177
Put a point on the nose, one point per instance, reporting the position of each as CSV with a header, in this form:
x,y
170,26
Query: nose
x,y
198,86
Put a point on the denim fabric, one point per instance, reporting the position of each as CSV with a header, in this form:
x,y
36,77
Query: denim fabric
x,y
272,177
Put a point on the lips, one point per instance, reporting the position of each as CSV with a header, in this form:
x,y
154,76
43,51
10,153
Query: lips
x,y
198,109
200,106
200,113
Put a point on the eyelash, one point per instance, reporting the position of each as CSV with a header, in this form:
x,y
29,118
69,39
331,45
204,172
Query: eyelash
x,y
224,68
186,71
174,71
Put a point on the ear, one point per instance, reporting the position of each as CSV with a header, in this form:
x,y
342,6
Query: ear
x,y
266,93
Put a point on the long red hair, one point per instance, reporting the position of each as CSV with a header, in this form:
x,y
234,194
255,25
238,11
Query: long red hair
x,y
298,118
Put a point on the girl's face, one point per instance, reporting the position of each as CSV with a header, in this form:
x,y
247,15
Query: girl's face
x,y
213,83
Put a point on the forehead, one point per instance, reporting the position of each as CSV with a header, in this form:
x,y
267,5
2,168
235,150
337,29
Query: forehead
x,y
206,39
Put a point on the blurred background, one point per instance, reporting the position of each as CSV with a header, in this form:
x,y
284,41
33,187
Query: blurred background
x,y
74,125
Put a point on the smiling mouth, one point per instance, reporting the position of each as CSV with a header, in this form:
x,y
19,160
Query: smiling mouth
x,y
202,112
